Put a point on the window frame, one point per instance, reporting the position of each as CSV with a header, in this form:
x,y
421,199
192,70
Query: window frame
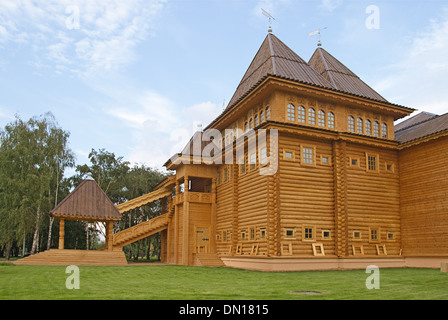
x,y
377,162
321,118
331,122
305,233
311,116
290,112
313,153
301,114
351,124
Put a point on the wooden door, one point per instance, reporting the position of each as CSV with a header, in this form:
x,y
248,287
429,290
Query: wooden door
x,y
202,239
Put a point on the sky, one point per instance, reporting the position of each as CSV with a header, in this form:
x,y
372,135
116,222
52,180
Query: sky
x,y
136,77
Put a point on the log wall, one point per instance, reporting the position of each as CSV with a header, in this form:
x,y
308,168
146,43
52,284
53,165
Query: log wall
x,y
424,201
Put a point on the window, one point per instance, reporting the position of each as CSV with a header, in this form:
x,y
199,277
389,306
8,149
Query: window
x,y
288,155
252,233
354,162
311,116
356,235
307,155
389,167
224,236
372,162
289,232
390,235
326,235
368,127
253,160
325,160
262,233
261,116
376,129
263,156
321,118
251,123
301,114
351,124
359,126
268,113
246,127
330,120
242,165
374,235
218,178
291,112
384,130
256,120
308,233
225,174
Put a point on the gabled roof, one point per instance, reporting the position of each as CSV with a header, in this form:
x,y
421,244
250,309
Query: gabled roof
x,y
87,202
275,58
341,77
414,129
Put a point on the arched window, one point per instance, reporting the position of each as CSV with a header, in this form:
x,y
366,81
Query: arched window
x,y
330,120
301,114
351,124
311,116
256,120
384,130
376,129
262,116
251,123
291,112
246,127
359,126
268,113
368,127
321,118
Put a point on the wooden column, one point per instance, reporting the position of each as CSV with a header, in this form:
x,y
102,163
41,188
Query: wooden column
x,y
340,196
110,235
212,235
185,225
61,233
176,226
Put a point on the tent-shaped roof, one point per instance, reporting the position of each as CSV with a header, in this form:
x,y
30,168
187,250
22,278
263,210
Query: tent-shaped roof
x,y
341,77
87,202
275,58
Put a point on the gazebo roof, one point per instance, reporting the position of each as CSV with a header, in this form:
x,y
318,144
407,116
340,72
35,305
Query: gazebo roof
x,y
87,202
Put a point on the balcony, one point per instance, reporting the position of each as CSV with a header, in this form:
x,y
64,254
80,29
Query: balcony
x,y
200,197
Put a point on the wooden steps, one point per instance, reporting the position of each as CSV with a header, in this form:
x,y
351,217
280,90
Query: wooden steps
x,y
75,257
208,260
140,231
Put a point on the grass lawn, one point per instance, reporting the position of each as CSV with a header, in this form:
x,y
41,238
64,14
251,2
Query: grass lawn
x,y
166,282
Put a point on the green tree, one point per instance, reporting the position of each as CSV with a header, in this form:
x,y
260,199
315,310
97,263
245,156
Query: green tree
x,y
33,157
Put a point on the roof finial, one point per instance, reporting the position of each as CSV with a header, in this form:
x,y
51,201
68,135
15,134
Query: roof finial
x,y
313,33
268,15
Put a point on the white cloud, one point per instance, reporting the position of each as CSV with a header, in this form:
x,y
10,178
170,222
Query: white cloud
x,y
419,79
330,5
158,126
102,39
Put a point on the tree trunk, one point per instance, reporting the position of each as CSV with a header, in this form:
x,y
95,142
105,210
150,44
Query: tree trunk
x,y
49,233
34,247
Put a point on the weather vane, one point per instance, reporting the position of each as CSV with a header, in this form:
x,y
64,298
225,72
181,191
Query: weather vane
x,y
268,15
313,33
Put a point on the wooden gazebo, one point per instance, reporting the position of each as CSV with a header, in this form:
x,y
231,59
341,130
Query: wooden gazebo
x,y
88,202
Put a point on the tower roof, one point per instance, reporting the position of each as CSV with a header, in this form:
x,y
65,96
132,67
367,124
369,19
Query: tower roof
x,y
277,59
87,202
341,77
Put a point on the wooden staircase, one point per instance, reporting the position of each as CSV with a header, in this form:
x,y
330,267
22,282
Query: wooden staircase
x,y
65,257
140,231
208,260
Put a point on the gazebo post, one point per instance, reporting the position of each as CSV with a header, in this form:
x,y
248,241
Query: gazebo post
x,y
109,235
61,233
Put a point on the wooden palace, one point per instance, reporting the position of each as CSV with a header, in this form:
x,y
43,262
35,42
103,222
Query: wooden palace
x,y
304,170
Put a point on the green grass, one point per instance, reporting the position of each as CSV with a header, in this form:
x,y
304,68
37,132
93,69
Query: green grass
x,y
161,282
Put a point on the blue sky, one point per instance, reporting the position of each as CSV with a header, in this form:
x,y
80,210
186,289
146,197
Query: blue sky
x,y
136,76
